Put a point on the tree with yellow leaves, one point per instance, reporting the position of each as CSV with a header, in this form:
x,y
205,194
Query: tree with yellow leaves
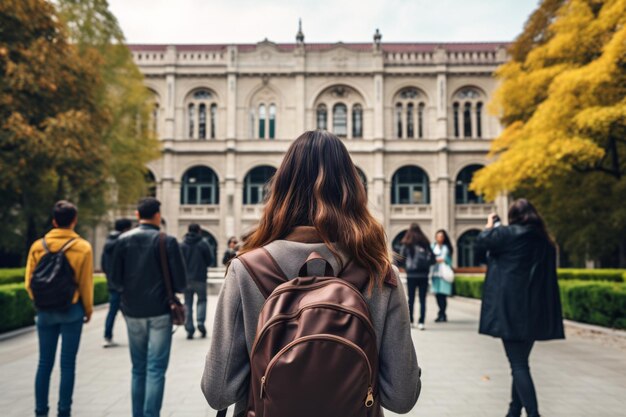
x,y
562,100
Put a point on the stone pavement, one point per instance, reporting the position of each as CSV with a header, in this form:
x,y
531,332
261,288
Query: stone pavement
x,y
464,374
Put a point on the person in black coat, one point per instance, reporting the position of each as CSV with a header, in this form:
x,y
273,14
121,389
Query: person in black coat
x,y
106,263
198,257
521,302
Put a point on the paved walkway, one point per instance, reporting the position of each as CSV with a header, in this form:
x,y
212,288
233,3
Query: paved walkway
x,y
464,374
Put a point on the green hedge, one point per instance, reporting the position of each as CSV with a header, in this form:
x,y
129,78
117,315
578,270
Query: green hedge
x,y
614,275
11,276
16,308
601,303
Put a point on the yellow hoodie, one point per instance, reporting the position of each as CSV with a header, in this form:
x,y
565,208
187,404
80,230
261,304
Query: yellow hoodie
x,y
79,255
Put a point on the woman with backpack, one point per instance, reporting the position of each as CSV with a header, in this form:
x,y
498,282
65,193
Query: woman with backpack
x,y
521,302
416,258
442,287
289,339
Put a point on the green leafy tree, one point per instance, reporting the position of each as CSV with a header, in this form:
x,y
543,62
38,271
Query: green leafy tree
x,y
74,119
562,100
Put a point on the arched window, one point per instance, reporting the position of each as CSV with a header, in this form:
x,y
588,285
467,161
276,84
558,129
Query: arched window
x,y
202,122
469,123
409,114
455,109
322,117
396,242
410,130
463,195
468,255
262,121
210,239
151,186
272,129
362,177
479,127
213,118
267,120
357,121
255,184
199,186
339,109
410,186
201,102
340,120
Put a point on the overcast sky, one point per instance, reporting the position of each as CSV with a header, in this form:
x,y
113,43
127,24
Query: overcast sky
x,y
250,21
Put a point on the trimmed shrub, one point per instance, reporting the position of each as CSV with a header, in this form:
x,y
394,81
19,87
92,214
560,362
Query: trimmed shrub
x,y
16,307
469,286
613,275
12,275
601,303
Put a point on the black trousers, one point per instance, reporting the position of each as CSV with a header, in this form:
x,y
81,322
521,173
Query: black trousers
x,y
422,286
522,390
442,302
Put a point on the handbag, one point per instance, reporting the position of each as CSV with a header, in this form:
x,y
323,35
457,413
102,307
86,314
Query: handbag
x,y
177,310
446,272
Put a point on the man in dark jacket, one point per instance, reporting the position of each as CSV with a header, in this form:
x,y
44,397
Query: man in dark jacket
x,y
137,274
106,261
198,257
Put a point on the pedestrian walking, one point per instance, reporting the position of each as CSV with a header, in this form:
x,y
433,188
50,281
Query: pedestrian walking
x,y
137,273
106,261
231,250
521,302
416,259
198,257
441,273
59,279
324,346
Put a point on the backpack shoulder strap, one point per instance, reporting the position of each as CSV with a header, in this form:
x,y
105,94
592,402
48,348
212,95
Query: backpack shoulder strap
x,y
67,245
45,245
263,269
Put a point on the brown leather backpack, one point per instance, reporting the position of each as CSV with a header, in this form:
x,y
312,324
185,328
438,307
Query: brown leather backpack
x,y
315,352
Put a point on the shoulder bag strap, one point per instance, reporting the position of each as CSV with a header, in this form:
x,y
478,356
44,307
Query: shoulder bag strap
x,y
263,269
67,245
165,267
45,245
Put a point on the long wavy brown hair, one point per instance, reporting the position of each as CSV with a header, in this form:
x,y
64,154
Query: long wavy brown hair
x,y
318,185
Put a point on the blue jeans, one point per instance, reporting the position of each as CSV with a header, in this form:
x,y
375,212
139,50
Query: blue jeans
x,y
51,324
198,288
150,340
114,306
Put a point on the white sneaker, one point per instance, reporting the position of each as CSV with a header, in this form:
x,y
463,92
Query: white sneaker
x,y
109,343
421,326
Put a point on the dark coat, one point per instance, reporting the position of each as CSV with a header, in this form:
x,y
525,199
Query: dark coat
x,y
521,298
136,271
106,261
197,255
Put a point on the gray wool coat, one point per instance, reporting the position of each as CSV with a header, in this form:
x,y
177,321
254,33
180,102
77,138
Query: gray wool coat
x,y
226,374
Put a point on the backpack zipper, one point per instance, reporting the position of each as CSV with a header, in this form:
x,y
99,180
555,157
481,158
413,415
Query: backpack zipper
x,y
369,399
278,291
280,317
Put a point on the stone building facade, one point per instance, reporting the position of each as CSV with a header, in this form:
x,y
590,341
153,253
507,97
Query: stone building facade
x,y
413,116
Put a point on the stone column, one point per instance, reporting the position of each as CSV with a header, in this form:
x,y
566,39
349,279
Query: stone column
x,y
231,93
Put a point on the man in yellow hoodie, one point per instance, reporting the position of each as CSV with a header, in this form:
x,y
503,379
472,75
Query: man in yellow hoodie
x,y
65,322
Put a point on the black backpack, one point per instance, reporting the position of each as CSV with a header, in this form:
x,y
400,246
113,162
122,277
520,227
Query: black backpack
x,y
420,261
53,283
